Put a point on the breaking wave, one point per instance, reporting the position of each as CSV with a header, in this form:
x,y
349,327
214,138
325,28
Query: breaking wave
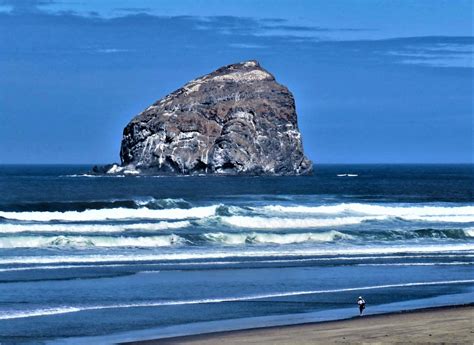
x,y
167,240
440,219
92,228
375,210
113,214
292,223
285,252
431,233
270,216
256,238
228,238
62,206
89,241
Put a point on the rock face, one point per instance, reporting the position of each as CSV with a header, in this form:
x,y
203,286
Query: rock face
x,y
235,120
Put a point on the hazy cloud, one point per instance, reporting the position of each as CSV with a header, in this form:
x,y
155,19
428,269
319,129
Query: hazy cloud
x,y
133,9
26,6
246,46
111,50
148,35
448,52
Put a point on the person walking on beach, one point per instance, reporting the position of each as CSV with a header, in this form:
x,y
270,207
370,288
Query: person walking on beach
x,y
361,303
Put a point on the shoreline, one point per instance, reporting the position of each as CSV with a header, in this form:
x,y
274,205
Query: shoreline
x,y
446,324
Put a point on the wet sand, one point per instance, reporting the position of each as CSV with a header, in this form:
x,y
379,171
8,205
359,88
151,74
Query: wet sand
x,y
449,325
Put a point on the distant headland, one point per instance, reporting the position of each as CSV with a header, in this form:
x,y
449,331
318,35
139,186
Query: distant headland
x,y
236,120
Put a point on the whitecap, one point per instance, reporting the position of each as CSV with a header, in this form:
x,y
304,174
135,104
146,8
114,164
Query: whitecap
x,y
461,248
92,228
89,241
112,213
266,238
469,232
292,223
371,209
423,213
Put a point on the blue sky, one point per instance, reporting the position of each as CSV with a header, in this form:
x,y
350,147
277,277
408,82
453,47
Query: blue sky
x,y
374,81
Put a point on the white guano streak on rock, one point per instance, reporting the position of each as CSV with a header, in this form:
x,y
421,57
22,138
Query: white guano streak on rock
x,y
143,133
243,76
248,117
192,87
250,64
161,147
293,134
187,135
236,97
166,99
161,159
148,145
205,156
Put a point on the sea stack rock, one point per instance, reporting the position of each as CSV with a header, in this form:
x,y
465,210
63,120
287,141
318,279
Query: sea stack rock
x,y
235,120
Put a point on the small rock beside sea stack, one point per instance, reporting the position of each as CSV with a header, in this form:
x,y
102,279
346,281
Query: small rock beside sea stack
x,y
235,120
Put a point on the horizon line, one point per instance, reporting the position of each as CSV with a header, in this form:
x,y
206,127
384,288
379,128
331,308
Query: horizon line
x,y
314,164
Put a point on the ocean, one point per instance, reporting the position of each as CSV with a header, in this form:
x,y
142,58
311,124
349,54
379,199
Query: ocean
x,y
102,259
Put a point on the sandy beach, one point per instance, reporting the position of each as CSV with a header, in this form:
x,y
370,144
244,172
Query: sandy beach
x,y
449,325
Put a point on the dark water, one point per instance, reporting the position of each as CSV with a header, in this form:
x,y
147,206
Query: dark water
x,y
112,257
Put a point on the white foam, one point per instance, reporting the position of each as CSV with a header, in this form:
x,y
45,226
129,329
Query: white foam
x,y
292,223
158,226
112,213
58,267
189,255
88,241
441,219
374,210
38,312
292,260
454,263
127,170
93,176
72,309
469,232
243,238
165,203
94,228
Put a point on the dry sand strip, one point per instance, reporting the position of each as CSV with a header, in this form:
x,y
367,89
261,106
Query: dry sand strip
x,y
447,325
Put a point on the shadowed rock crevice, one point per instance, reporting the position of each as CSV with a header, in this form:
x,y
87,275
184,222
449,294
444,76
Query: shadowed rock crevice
x,y
235,120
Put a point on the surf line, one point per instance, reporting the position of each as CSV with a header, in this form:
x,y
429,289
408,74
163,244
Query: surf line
x,y
72,309
461,249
